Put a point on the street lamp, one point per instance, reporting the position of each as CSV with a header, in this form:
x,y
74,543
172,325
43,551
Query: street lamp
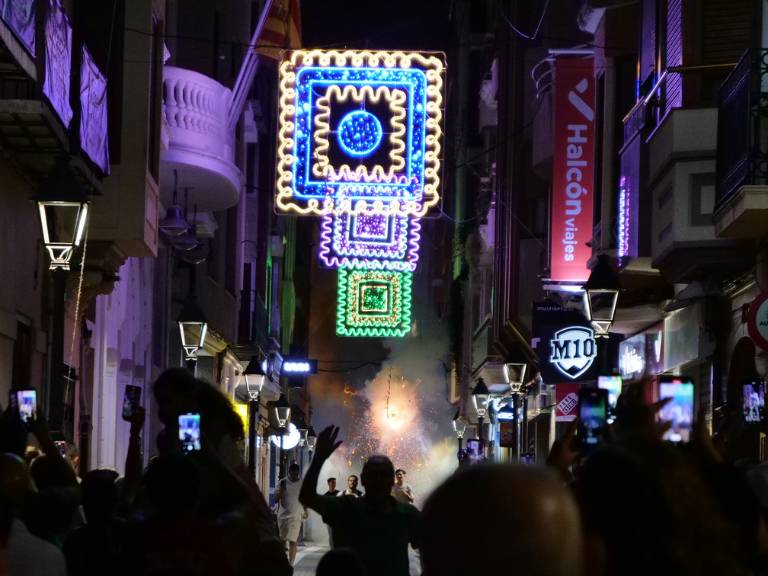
x,y
192,327
63,206
255,378
311,440
601,293
514,374
480,398
459,427
281,410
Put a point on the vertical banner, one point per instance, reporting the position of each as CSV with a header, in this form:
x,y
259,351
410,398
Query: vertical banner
x,y
573,169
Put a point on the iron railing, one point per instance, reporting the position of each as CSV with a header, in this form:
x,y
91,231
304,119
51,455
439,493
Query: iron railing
x,y
742,126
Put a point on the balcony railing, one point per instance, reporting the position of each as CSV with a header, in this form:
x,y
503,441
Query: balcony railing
x,y
200,142
742,135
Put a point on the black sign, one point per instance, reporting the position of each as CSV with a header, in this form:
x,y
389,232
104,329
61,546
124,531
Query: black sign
x,y
565,343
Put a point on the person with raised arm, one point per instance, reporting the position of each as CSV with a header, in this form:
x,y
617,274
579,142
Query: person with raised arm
x,y
375,526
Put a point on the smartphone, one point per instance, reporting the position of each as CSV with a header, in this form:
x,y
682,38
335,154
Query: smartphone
x,y
189,432
26,400
613,385
679,410
593,417
475,451
131,401
753,401
61,446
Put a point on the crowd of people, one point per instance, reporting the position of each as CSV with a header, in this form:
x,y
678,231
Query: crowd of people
x,y
633,506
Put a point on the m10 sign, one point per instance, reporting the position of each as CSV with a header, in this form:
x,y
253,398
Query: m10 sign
x,y
573,169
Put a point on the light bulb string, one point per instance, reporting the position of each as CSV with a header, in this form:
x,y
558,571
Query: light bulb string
x,y
77,303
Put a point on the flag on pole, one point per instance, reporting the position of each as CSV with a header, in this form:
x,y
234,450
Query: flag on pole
x,y
281,30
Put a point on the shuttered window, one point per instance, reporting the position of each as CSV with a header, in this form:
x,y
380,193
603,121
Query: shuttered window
x,y
673,44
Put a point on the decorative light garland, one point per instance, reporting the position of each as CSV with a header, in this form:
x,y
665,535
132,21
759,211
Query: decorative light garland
x,y
373,303
366,168
381,242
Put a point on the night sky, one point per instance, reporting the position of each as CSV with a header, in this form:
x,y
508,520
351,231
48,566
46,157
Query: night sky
x,y
389,24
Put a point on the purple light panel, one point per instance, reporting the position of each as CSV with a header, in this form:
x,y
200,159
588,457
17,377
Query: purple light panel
x,y
370,241
93,120
19,15
58,60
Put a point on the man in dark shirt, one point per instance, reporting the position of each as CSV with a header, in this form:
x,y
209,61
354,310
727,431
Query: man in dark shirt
x,y
376,526
332,491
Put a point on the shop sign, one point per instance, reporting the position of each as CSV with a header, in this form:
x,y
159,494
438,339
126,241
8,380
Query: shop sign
x,y
632,357
757,320
573,169
565,344
566,402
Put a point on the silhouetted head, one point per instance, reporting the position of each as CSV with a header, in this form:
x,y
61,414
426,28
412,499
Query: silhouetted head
x,y
173,485
294,472
527,516
15,480
331,484
378,477
99,496
175,391
340,562
50,472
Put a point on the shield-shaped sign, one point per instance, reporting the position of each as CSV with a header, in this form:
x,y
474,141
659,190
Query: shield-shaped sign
x,y
573,350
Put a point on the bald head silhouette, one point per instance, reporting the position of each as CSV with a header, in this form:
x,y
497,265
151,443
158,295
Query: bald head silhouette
x,y
530,524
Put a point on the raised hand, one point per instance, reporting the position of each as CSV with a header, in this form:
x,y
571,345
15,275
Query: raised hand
x,y
326,443
137,420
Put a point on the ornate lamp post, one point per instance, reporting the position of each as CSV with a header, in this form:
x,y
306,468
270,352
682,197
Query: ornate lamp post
x,y
459,427
480,398
63,206
255,378
601,294
281,411
311,441
192,327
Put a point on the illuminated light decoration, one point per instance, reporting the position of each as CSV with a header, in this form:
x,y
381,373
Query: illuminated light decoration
x,y
316,175
373,303
359,133
290,439
623,220
373,241
322,167
298,367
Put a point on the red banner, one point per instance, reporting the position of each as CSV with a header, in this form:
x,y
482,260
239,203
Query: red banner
x,y
566,401
573,169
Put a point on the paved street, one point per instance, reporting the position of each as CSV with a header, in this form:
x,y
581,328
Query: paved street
x,y
308,557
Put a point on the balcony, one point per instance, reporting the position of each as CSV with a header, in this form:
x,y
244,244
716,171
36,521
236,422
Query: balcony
x,y
41,67
681,169
200,148
742,161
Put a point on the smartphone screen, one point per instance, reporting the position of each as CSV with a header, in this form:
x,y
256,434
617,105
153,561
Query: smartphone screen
x,y
131,400
27,403
189,432
613,385
753,403
593,416
61,446
679,410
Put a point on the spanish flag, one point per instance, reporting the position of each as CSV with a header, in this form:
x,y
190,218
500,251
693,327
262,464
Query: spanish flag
x,y
281,30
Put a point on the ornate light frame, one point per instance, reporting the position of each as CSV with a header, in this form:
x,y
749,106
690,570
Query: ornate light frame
x,y
310,181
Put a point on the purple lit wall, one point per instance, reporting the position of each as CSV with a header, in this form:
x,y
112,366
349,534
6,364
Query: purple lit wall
x,y
93,120
19,16
58,60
